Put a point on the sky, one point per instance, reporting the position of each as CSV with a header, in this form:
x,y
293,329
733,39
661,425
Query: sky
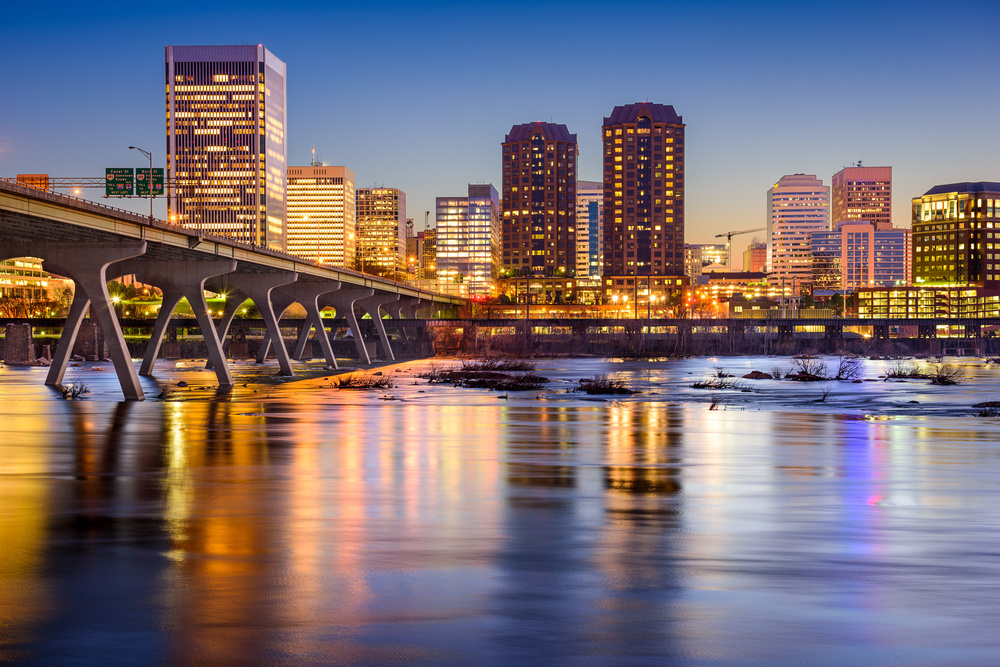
x,y
419,96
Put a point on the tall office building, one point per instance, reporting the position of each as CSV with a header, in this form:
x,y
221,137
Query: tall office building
x,y
226,147
468,242
381,223
321,210
797,206
589,229
856,255
539,200
956,235
643,199
862,194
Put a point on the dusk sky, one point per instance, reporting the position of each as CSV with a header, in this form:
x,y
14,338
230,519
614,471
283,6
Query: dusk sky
x,y
419,96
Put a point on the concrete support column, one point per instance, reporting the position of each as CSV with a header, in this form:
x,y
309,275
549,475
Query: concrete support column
x,y
308,295
257,287
87,264
343,300
182,279
833,331
396,311
372,305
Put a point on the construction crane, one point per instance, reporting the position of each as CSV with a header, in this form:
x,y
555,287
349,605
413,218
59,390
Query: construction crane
x,y
729,242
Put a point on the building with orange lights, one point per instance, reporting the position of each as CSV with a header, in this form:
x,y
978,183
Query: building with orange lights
x,y
381,229
643,200
226,146
539,200
320,216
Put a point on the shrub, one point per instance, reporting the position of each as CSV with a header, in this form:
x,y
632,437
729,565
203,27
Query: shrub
x,y
363,381
602,384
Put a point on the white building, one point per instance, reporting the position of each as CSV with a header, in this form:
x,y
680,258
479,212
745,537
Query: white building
x,y
226,147
468,242
797,206
321,210
589,229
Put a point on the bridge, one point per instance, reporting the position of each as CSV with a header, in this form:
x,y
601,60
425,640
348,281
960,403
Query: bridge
x,y
92,244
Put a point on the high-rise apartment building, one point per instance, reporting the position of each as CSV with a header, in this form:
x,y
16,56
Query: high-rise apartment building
x,y
643,199
539,200
226,145
956,235
381,225
320,220
589,229
862,194
797,206
468,242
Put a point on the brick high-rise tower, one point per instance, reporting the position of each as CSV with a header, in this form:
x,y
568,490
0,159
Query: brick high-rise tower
x,y
643,200
539,200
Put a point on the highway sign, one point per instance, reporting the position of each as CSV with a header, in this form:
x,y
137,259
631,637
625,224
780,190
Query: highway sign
x,y
142,181
119,181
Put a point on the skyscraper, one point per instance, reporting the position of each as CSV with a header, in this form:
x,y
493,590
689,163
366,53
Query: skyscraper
x,y
797,206
468,239
226,147
589,229
956,235
643,199
539,200
321,210
381,236
862,194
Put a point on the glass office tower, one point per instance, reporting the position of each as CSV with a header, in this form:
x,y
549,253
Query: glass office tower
x,y
226,147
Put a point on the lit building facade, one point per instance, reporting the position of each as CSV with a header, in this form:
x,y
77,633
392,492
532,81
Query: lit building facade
x,y
320,217
539,200
468,241
643,200
755,257
226,146
956,235
429,261
797,206
862,194
380,243
857,255
589,229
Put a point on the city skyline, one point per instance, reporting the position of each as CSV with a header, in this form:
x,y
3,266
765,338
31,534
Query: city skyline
x,y
739,78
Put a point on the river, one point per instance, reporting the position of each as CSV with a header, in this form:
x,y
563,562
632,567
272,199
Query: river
x,y
290,523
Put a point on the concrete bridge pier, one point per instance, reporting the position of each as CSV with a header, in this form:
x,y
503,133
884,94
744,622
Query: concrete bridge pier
x,y
87,264
343,300
396,309
177,280
926,331
308,295
257,287
372,305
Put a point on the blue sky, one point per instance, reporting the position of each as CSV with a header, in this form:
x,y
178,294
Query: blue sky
x,y
419,96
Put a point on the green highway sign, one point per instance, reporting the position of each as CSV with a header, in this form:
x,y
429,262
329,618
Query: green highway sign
x,y
119,181
142,181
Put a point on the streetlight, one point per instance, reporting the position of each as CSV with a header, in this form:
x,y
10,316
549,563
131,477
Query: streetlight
x,y
149,179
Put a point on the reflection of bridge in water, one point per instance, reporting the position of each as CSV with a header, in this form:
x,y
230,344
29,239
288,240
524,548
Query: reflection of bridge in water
x,y
93,244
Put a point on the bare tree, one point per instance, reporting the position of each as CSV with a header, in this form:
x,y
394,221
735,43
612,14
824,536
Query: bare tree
x,y
848,367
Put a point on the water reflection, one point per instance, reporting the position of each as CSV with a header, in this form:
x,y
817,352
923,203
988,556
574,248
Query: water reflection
x,y
335,529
